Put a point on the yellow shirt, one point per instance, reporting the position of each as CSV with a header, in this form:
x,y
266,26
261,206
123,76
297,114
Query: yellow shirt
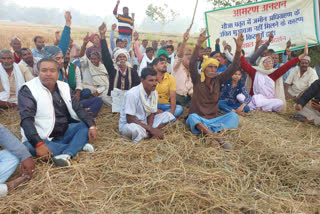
x,y
164,87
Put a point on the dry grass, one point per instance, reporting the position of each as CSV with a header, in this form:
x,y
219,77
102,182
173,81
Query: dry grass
x,y
26,32
272,169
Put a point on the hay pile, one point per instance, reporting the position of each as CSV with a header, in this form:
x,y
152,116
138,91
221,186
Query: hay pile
x,y
274,168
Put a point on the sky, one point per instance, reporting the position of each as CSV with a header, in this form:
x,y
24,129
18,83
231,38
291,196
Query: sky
x,y
105,7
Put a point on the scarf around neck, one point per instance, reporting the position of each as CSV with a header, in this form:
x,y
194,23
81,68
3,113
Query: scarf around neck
x,y
152,107
19,81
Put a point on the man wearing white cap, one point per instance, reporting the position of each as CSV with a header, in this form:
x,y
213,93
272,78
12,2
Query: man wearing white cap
x,y
121,73
300,79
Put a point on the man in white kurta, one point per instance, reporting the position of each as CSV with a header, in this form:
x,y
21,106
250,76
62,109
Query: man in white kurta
x,y
138,118
300,79
96,77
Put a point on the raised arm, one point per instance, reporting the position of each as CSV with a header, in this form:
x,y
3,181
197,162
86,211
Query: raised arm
x,y
106,57
184,43
57,36
115,10
195,76
235,65
112,43
84,45
65,36
287,53
252,60
283,69
226,52
258,42
217,46
136,47
286,67
180,53
247,67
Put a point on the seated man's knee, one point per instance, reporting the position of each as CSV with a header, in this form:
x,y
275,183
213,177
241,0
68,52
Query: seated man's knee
x,y
278,105
178,111
85,93
82,126
11,160
193,119
99,100
233,116
246,108
241,98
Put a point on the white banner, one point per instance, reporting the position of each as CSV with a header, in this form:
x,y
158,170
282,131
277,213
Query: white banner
x,y
297,20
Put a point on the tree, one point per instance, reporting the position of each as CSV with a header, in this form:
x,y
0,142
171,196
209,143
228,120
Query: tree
x,y
163,15
217,4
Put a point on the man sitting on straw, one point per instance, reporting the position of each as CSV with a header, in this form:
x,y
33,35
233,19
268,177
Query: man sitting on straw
x,y
181,73
12,77
166,89
10,157
121,73
50,117
137,117
29,61
203,115
311,113
300,79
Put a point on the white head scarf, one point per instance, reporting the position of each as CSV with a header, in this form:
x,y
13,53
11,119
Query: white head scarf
x,y
260,68
121,51
279,88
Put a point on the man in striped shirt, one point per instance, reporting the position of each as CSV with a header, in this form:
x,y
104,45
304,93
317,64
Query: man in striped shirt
x,y
125,24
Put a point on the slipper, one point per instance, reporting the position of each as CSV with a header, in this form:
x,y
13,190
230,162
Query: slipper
x,y
298,117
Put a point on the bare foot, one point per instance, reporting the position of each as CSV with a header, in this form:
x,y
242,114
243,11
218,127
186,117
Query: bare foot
x,y
13,184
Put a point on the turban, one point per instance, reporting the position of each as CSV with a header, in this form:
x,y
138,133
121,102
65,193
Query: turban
x,y
163,52
91,37
121,51
51,51
207,61
307,58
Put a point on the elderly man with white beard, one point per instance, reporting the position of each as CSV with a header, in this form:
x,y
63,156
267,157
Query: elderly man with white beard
x,y
121,73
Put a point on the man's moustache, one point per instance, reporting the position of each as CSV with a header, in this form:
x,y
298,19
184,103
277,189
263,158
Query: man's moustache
x,y
121,62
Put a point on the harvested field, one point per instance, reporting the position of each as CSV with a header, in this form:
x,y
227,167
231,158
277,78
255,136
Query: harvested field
x,y
274,168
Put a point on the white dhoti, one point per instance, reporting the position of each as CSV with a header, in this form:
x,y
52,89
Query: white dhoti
x,y
311,114
138,133
107,100
260,102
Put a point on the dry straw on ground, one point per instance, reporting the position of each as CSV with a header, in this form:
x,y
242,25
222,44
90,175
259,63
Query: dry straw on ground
x,y
274,168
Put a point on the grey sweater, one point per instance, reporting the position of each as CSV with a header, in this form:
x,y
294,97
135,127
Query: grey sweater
x,y
13,145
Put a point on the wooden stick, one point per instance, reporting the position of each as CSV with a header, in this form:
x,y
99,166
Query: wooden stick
x,y
194,14
131,44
